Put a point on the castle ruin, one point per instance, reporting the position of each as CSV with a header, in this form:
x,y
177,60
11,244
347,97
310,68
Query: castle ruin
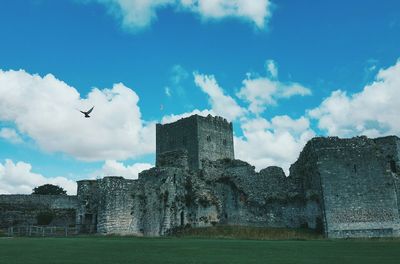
x,y
340,187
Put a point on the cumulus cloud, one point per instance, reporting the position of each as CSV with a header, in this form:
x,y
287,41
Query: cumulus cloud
x,y
115,168
372,112
18,178
172,118
263,143
10,135
137,14
272,68
46,109
221,104
255,11
272,143
134,14
261,92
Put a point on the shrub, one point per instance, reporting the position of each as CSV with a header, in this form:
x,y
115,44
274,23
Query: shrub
x,y
44,218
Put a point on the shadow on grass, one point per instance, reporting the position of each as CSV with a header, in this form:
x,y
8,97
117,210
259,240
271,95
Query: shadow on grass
x,y
243,232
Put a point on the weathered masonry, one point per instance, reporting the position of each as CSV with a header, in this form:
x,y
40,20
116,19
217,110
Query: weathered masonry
x,y
201,137
359,185
23,210
340,187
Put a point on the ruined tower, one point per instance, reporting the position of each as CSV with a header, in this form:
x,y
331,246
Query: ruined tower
x,y
198,137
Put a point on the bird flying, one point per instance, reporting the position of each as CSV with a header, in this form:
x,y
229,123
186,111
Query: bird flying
x,y
87,112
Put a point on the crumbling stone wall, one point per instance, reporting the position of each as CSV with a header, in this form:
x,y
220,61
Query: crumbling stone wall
x,y
105,206
342,187
16,210
358,189
115,203
88,197
223,192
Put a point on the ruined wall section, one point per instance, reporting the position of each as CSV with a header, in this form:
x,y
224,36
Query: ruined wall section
x,y
114,215
160,200
227,192
24,209
175,158
180,135
304,186
88,203
215,138
259,199
359,192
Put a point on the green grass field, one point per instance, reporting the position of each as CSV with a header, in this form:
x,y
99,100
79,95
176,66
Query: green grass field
x,y
100,250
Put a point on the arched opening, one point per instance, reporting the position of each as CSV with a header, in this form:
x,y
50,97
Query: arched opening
x,y
182,218
393,166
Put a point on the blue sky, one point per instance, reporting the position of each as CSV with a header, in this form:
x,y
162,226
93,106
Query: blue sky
x,y
282,71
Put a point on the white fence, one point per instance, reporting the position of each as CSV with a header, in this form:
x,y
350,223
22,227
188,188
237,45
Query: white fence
x,y
44,231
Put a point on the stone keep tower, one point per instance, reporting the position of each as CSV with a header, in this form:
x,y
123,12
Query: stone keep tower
x,y
200,137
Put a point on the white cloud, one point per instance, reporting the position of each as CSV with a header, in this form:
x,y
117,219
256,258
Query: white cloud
x,y
10,135
372,112
134,14
272,68
46,109
137,14
261,92
172,118
221,104
115,168
167,91
272,143
293,89
258,93
18,178
277,142
255,11
178,74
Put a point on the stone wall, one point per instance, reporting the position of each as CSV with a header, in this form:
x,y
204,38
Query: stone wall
x,y
174,158
179,135
201,137
225,191
88,197
215,138
115,206
358,189
18,210
342,187
105,206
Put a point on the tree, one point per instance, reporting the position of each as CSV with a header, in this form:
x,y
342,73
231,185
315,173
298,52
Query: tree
x,y
49,189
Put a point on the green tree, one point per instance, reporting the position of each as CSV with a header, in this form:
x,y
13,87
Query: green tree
x,y
49,189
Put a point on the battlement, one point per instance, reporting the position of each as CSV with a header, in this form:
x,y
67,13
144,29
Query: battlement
x,y
217,121
201,137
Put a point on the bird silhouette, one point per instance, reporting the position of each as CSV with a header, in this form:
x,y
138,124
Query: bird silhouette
x,y
87,112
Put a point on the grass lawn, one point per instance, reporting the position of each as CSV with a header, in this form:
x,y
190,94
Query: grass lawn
x,y
186,250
